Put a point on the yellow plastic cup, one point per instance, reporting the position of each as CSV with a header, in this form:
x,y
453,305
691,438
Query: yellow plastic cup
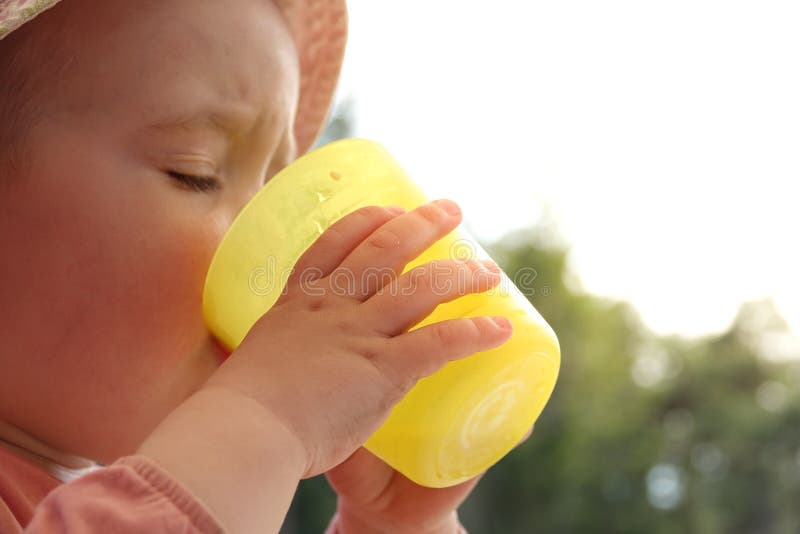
x,y
452,425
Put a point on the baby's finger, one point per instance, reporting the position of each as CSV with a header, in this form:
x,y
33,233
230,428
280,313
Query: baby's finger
x,y
393,245
411,297
337,242
526,436
422,352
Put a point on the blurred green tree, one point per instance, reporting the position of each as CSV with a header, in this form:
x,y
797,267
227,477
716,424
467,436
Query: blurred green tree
x,y
647,433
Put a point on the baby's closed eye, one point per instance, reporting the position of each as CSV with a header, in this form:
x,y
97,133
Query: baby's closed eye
x,y
198,183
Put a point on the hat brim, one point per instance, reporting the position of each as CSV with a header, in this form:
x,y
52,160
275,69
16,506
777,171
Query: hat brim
x,y
319,28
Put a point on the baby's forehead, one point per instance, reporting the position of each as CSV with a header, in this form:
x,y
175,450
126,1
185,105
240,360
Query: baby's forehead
x,y
319,29
167,55
239,74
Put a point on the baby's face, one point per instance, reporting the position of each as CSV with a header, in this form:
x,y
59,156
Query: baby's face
x,y
105,248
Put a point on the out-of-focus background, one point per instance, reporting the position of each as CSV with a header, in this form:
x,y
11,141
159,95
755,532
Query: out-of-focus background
x,y
641,157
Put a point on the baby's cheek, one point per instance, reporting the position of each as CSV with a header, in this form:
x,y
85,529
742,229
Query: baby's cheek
x,y
177,271
104,279
172,262
154,323
141,254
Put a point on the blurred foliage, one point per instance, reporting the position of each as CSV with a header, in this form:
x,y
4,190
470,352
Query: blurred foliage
x,y
644,433
647,433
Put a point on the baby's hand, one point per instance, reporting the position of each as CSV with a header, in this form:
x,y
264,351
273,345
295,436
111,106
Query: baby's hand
x,y
334,355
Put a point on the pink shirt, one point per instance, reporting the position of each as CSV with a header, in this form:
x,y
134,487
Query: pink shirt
x,y
133,494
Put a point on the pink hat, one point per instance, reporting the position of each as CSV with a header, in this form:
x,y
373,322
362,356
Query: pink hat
x,y
319,28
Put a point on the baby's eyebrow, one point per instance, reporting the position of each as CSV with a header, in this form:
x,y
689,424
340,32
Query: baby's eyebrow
x,y
225,121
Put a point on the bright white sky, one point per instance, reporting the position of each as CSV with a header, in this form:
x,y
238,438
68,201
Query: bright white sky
x,y
664,137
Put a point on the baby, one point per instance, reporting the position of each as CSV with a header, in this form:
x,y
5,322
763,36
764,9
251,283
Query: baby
x,y
132,133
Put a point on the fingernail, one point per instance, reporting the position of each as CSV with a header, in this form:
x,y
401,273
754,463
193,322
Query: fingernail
x,y
397,210
490,265
449,206
501,322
